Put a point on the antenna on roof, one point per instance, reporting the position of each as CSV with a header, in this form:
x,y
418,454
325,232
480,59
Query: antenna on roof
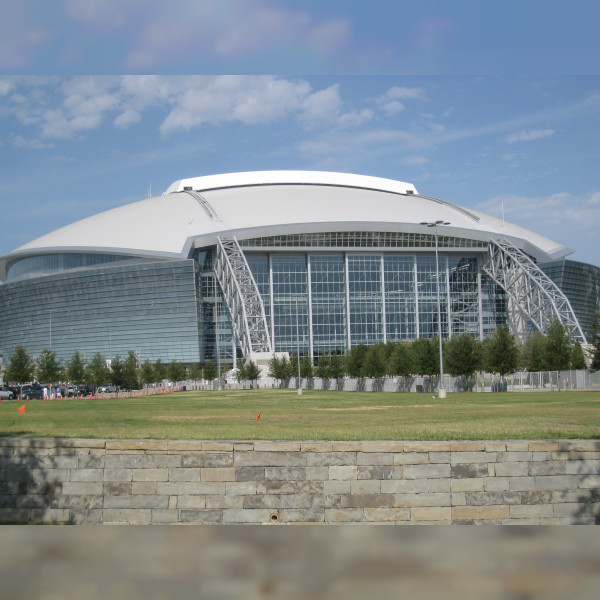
x,y
150,189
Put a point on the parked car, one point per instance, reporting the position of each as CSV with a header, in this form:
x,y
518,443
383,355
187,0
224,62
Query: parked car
x,y
31,392
6,393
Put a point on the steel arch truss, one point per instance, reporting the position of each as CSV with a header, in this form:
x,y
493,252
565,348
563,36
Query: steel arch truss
x,y
530,288
242,297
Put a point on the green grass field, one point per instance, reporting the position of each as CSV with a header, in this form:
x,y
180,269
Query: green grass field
x,y
316,415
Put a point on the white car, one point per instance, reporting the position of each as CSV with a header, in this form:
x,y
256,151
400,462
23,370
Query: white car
x,y
6,394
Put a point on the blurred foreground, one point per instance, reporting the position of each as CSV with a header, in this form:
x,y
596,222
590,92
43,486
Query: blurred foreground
x,y
51,563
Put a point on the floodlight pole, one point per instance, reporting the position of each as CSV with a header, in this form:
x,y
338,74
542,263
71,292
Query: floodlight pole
x,y
298,347
434,224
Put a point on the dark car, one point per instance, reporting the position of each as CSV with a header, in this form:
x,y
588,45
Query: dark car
x,y
31,392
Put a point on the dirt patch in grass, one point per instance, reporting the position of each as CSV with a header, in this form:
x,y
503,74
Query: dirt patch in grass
x,y
180,418
374,407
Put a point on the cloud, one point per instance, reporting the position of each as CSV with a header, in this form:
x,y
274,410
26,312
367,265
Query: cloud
x,y
528,136
390,102
127,118
32,144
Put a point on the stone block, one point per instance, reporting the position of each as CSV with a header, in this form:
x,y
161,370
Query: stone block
x,y
162,515
374,458
337,487
79,443
151,474
347,446
467,485
189,488
301,515
182,474
136,445
343,515
524,511
386,514
423,499
426,471
495,446
143,487
65,462
379,473
142,461
521,484
364,500
543,446
365,486
290,487
431,513
469,471
464,458
142,516
541,456
316,473
329,459
241,488
343,472
285,473
86,517
489,498
536,497
512,469
313,446
386,446
90,461
296,501
580,467
439,485
76,503
586,482
200,516
249,473
411,458
210,460
116,488
136,502
224,446
270,501
222,474
276,446
556,482
516,457
272,459
579,445
259,515
483,513
458,498
225,501
439,457
185,445
87,474
82,487
427,446
193,502
49,515
14,515
547,468
118,474
405,486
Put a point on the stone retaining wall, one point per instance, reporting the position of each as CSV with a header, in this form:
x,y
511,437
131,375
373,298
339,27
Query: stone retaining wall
x,y
210,482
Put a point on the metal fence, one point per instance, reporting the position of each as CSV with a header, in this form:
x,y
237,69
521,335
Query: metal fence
x,y
521,381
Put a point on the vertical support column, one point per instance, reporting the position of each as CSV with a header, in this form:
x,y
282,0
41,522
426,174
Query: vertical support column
x,y
271,300
383,304
309,300
479,300
347,282
416,280
448,305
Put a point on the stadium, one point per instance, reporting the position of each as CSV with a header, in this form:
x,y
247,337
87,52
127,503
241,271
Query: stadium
x,y
242,265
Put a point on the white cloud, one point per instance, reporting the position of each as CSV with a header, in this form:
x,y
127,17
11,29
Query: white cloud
x,y
393,107
528,136
128,118
405,93
32,144
6,86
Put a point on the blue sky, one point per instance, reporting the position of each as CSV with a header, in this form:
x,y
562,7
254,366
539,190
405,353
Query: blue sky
x,y
101,100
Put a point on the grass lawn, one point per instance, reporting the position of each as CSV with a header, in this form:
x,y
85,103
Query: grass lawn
x,y
316,415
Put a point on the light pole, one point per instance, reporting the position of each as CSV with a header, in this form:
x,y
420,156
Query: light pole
x,y
298,347
434,224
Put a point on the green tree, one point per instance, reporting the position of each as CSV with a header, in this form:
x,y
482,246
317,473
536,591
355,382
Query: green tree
x,y
306,368
533,352
355,360
175,371
337,365
160,370
97,372
323,368
20,367
401,362
130,372
594,340
210,370
147,372
117,371
252,371
374,364
500,352
49,368
195,371
462,355
558,348
426,356
578,357
76,368
241,371
280,368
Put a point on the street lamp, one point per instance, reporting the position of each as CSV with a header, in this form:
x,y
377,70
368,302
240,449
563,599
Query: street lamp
x,y
434,224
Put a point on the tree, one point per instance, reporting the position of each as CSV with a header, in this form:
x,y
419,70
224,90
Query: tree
x,y
130,372
252,371
533,352
241,371
374,364
49,368
426,355
210,370
117,371
337,365
147,372
500,352
462,356
558,348
97,372
306,368
175,371
76,368
160,370
401,362
594,340
20,366
578,357
280,368
355,360
323,368
195,371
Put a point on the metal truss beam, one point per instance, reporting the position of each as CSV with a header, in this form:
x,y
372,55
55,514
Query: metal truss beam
x,y
242,297
530,288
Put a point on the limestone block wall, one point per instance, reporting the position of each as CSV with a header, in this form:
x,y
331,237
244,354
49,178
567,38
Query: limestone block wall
x,y
264,482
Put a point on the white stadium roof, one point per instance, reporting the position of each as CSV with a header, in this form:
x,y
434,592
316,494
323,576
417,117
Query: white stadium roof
x,y
193,212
